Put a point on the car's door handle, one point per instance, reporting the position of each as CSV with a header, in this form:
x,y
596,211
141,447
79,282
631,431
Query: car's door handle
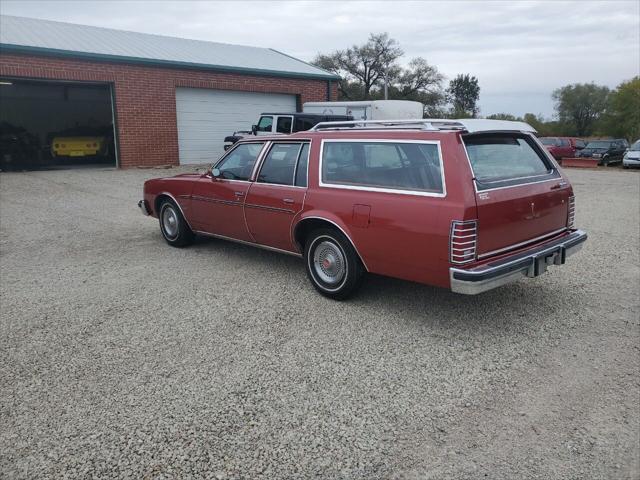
x,y
239,194
287,200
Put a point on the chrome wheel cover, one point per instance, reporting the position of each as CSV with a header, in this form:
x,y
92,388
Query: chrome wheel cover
x,y
329,263
170,222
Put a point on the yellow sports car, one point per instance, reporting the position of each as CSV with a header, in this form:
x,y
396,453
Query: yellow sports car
x,y
78,146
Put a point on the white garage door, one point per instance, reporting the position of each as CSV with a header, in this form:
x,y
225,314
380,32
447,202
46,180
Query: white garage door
x,y
206,116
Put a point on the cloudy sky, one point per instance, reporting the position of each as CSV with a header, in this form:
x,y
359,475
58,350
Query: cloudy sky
x,y
519,50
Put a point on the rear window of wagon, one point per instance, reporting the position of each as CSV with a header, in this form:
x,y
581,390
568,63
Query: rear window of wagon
x,y
399,167
505,158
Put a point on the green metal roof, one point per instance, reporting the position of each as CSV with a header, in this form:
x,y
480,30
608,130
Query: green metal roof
x,y
34,36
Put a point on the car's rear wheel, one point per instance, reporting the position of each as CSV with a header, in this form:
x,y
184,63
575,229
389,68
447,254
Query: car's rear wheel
x,y
173,226
332,264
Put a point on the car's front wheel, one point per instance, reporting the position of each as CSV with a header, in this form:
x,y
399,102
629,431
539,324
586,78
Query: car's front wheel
x,y
332,264
173,226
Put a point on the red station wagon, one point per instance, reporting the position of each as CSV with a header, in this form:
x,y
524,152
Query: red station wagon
x,y
467,205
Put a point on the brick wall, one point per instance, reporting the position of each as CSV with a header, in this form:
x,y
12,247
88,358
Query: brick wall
x,y
145,97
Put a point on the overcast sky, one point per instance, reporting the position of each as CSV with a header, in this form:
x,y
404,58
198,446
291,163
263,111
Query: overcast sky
x,y
519,50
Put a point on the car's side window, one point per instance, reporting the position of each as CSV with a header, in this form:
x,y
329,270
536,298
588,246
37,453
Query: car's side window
x,y
283,125
280,163
303,166
564,142
303,123
396,166
238,164
264,125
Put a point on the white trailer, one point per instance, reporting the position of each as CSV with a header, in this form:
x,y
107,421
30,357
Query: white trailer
x,y
368,110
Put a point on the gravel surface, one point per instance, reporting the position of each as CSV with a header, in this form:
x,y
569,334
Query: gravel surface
x,y
123,357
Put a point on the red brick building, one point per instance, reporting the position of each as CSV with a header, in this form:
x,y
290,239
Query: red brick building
x,y
168,101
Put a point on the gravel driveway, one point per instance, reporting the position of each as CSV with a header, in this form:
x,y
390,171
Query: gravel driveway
x,y
123,357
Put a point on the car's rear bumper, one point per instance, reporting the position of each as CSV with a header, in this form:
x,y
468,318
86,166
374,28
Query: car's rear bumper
x,y
530,263
142,205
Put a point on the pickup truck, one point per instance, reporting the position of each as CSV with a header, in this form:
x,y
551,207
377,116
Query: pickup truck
x,y
283,123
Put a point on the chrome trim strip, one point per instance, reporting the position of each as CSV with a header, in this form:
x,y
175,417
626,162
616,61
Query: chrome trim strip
x,y
571,212
555,179
364,188
273,209
462,226
343,232
521,244
215,200
251,244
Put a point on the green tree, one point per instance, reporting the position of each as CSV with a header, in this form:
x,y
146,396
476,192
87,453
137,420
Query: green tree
x,y
504,116
579,106
419,82
547,128
363,67
463,93
622,118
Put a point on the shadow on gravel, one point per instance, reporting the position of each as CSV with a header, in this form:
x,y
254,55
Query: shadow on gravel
x,y
519,305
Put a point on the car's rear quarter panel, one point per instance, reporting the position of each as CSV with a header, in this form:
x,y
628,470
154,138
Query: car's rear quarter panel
x,y
408,235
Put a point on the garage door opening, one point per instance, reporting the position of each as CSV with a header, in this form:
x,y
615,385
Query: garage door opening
x,y
47,125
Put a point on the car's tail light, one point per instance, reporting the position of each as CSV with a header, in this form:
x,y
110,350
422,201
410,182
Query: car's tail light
x,y
571,212
462,241
95,145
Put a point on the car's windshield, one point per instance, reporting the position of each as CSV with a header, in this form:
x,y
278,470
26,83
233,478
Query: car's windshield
x,y
635,147
598,144
548,140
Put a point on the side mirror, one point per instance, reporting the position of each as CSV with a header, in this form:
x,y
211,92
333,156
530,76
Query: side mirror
x,y
215,172
254,129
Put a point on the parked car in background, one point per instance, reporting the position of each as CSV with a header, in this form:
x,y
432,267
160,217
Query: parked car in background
x,y
18,147
82,142
283,123
368,109
606,151
562,147
468,205
632,156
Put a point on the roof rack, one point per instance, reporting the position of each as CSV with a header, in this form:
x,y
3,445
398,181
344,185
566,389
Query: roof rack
x,y
466,125
418,124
